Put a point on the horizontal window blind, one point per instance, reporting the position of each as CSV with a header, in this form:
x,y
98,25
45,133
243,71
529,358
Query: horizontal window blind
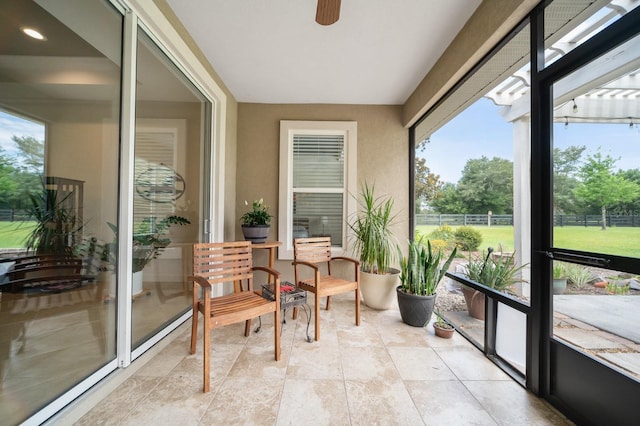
x,y
318,214
318,161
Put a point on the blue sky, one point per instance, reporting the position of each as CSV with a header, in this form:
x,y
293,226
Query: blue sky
x,y
480,130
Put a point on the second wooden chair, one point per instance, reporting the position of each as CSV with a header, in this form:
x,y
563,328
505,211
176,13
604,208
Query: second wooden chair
x,y
313,253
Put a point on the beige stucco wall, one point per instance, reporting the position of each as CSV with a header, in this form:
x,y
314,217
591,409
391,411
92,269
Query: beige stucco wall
x,y
383,151
491,22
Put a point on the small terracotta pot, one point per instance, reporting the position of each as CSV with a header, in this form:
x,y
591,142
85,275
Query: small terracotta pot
x,y
445,333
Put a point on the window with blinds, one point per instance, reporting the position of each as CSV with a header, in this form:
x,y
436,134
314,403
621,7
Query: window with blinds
x,y
155,150
317,159
318,165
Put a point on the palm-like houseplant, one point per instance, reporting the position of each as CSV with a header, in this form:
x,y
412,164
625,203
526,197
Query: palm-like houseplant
x,y
56,225
420,273
373,240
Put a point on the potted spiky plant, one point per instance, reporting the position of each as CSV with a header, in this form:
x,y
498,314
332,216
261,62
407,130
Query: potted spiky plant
x,y
420,273
498,273
374,242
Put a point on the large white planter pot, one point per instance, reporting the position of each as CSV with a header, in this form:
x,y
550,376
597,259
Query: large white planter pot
x,y
379,290
136,288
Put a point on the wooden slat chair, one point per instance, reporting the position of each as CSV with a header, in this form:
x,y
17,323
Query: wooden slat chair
x,y
312,253
219,263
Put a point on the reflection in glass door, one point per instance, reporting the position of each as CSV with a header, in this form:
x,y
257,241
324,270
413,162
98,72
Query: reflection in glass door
x,y
170,129
596,206
59,147
595,247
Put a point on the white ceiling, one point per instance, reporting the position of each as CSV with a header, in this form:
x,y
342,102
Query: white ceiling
x,y
273,51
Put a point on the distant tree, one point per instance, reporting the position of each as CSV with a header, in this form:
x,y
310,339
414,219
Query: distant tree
x,y
8,184
487,185
600,186
566,164
427,185
448,200
31,157
21,173
632,207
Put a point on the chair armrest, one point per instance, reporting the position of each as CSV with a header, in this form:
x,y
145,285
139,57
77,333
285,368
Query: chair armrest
x,y
303,263
202,282
348,259
266,269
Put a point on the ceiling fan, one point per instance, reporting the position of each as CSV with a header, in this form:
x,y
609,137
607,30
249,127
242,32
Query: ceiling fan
x,y
328,12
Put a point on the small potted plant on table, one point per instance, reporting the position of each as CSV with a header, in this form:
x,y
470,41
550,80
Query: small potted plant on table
x,y
256,222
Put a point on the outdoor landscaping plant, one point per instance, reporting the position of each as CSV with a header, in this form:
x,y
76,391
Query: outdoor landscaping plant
x,y
420,273
498,273
559,277
578,275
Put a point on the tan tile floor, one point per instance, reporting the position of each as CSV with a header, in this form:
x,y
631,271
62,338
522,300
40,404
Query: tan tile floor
x,y
383,372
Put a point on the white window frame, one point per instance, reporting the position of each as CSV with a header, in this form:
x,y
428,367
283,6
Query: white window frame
x,y
288,128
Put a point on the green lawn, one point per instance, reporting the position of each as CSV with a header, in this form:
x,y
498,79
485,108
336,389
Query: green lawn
x,y
618,241
14,234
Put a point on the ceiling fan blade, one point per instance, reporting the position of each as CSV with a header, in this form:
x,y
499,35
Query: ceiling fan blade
x,y
328,12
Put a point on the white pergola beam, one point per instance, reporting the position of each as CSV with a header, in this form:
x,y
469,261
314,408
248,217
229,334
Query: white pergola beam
x,y
607,69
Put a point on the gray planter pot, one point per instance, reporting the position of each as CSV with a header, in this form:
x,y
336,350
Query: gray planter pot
x,y
415,310
559,285
256,234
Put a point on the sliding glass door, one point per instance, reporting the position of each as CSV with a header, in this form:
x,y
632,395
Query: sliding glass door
x,y
59,146
170,134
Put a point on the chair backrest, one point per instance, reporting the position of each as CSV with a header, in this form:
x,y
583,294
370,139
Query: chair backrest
x,y
223,262
313,250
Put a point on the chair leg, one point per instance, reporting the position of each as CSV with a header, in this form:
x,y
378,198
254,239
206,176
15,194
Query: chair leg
x,y
207,352
194,331
358,306
278,324
328,302
317,319
247,328
295,313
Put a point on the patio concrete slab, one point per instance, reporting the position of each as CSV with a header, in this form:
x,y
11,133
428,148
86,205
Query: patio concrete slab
x,y
615,314
629,361
586,339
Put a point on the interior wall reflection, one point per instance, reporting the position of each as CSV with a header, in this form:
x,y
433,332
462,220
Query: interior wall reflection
x,y
166,206
59,147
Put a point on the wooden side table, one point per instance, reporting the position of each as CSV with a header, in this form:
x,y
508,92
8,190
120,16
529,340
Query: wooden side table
x,y
271,246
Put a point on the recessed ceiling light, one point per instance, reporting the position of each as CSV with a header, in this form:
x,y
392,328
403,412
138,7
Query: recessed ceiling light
x,y
33,33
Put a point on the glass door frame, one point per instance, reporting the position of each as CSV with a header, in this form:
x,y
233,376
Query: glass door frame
x,y
572,381
211,162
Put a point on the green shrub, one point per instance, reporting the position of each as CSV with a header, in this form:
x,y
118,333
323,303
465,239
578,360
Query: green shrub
x,y
468,238
443,232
